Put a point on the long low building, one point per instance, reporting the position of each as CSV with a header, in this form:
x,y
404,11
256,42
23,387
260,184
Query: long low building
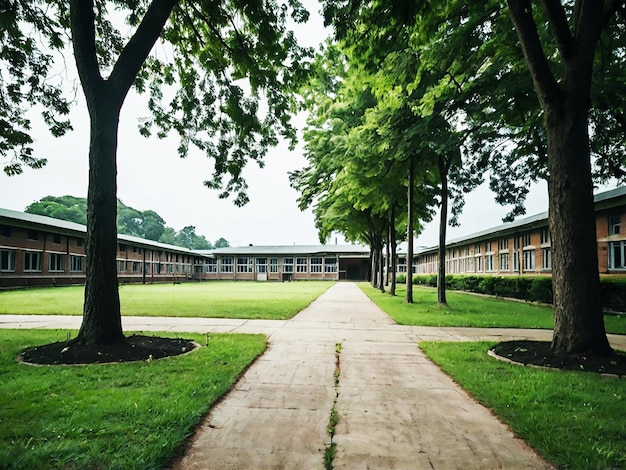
x,y
523,247
42,251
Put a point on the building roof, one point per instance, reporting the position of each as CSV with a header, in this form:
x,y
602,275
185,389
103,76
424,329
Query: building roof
x,y
281,250
540,219
72,227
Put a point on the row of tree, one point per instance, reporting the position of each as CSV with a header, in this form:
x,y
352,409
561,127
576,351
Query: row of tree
x,y
143,224
413,104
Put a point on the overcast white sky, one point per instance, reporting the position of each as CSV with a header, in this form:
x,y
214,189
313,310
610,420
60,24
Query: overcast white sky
x,y
152,176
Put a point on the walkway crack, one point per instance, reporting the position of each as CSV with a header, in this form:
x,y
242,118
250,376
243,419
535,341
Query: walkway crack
x,y
331,448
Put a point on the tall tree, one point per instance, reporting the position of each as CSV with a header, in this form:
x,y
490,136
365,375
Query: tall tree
x,y
216,51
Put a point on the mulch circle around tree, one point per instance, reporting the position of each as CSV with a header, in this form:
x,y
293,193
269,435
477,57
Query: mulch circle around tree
x,y
538,353
134,348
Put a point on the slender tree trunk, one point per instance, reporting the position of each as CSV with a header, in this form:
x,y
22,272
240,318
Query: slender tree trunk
x,y
579,321
381,268
393,243
410,230
443,226
387,253
102,322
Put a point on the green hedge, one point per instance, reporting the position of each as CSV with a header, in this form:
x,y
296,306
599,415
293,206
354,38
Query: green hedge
x,y
530,288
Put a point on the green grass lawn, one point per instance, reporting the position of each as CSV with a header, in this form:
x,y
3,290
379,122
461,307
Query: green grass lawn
x,y
470,310
575,420
216,299
131,415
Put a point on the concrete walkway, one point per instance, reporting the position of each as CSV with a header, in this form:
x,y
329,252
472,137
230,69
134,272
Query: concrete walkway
x,y
396,409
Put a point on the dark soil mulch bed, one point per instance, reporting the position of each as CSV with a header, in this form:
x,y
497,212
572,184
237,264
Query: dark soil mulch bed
x,y
538,353
134,348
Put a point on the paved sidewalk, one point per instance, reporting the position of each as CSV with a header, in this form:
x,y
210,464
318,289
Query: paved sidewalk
x,y
396,409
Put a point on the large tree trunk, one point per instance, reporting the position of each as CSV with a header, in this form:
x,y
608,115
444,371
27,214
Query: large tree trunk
x,y
579,324
579,321
102,322
410,230
443,226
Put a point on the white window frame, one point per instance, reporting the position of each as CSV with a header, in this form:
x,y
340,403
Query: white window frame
x,y
330,264
245,264
273,265
317,264
261,265
617,250
546,258
33,261
529,260
301,265
76,263
226,264
489,263
287,265
210,265
56,263
7,261
504,261
614,224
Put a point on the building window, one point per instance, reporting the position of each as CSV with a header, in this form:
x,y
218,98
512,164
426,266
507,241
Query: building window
x,y
529,260
526,239
245,264
136,267
488,247
300,265
226,264
504,261
121,266
489,263
32,235
5,231
516,261
56,238
401,267
210,265
614,224
76,264
330,265
32,261
546,258
479,264
273,265
503,244
477,248
7,260
158,267
617,255
316,265
288,265
261,265
545,236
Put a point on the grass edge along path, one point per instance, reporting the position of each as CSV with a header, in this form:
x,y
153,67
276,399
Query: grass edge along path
x,y
130,415
470,310
574,419
210,299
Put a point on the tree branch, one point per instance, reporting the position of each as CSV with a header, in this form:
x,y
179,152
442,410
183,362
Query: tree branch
x,y
82,19
560,28
546,85
138,47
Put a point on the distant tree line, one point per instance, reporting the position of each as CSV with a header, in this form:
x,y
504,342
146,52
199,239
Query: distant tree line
x,y
143,224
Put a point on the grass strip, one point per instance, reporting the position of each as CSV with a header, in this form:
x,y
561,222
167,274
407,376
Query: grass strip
x,y
574,419
330,450
212,299
131,415
468,310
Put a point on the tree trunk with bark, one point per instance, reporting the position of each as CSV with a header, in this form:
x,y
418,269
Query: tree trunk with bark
x,y
579,322
410,230
394,247
443,226
102,321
